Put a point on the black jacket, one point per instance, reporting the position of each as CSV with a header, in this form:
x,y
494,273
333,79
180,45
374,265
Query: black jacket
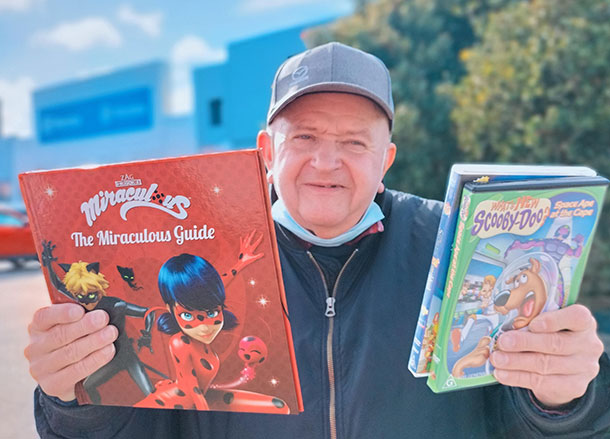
x,y
362,353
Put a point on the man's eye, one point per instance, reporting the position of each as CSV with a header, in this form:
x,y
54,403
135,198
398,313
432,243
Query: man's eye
x,y
355,145
91,296
80,296
304,137
186,316
212,314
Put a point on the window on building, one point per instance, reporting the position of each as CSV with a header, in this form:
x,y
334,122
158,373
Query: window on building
x,y
215,109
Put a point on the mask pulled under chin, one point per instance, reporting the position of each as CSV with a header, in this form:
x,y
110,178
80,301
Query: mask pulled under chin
x,y
371,216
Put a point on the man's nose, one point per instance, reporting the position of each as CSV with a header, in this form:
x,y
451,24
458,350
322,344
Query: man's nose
x,y
326,155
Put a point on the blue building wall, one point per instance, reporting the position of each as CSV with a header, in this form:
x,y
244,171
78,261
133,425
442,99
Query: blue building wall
x,y
76,122
210,83
243,85
6,169
77,111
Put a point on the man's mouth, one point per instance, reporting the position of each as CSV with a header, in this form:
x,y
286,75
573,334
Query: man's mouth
x,y
527,306
326,185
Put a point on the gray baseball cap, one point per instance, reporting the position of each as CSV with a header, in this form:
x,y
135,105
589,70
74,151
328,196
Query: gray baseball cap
x,y
332,67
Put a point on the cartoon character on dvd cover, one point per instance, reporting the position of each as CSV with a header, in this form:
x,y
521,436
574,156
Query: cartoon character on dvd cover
x,y
513,277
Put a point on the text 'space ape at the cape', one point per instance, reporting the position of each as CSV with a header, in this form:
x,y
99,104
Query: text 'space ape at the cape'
x,y
181,254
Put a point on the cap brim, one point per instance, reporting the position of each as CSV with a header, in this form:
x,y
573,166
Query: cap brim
x,y
338,87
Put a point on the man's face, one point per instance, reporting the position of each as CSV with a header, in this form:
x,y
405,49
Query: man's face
x,y
328,153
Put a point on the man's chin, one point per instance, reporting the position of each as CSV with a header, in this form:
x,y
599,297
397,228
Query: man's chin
x,y
325,226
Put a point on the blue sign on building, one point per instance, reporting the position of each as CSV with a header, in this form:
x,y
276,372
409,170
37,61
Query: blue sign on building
x,y
110,114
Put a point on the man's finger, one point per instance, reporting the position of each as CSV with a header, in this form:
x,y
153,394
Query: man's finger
x,y
61,382
549,389
46,318
543,364
572,318
89,364
73,352
556,343
62,334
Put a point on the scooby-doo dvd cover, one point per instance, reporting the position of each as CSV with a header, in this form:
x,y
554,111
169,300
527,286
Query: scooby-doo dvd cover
x,y
520,248
181,253
424,337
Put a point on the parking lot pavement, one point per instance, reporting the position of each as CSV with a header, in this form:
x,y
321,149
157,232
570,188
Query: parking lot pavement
x,y
21,293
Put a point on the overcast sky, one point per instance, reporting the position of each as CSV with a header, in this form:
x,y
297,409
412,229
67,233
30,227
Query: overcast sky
x,y
46,42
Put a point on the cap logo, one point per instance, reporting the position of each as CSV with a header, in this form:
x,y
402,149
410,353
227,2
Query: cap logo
x,y
300,74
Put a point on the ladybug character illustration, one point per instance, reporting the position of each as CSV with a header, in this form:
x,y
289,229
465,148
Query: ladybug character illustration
x,y
194,294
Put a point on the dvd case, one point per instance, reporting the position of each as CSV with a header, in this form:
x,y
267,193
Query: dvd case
x,y
461,173
520,248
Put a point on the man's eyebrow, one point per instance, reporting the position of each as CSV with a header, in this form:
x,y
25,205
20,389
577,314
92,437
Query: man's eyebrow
x,y
355,132
305,127
362,132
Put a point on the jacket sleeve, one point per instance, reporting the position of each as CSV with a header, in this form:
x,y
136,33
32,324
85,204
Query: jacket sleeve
x,y
56,419
514,413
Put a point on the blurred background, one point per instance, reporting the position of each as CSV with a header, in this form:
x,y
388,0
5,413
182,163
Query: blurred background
x,y
511,81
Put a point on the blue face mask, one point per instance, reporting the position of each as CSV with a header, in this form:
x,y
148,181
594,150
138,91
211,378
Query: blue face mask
x,y
371,216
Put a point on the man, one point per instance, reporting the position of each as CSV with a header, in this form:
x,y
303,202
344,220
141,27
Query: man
x,y
354,260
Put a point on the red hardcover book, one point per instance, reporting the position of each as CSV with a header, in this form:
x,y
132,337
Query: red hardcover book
x,y
181,253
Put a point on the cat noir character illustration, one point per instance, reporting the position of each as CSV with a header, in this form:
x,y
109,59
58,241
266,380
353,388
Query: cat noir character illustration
x,y
128,276
523,294
84,283
194,295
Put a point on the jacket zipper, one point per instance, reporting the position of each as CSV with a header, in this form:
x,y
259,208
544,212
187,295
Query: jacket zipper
x,y
330,313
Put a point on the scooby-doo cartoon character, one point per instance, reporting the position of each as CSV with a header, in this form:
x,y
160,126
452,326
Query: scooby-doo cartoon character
x,y
526,292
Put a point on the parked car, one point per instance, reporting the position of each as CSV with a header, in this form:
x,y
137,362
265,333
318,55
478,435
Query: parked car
x,y
16,241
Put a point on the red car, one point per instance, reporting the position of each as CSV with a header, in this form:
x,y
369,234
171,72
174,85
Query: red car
x,y
16,241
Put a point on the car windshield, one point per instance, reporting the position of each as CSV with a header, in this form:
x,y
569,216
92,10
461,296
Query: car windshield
x,y
9,220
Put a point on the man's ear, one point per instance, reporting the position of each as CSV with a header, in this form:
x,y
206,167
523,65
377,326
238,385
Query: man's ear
x,y
390,156
265,144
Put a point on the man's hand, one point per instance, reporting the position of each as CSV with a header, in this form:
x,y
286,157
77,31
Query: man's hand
x,y
67,345
556,359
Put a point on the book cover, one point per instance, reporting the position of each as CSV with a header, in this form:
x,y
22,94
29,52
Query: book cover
x,y
461,173
520,249
181,253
